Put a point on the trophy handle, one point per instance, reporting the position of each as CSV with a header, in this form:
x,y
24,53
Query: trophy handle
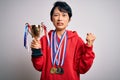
x,y
29,28
42,27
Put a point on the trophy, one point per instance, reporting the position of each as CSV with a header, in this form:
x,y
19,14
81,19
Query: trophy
x,y
34,30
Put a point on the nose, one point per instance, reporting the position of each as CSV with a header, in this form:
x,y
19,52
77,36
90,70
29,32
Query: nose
x,y
60,18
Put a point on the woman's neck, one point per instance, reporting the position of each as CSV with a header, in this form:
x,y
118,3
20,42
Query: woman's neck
x,y
60,33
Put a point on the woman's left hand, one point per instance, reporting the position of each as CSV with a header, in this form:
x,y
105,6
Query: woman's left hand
x,y
90,39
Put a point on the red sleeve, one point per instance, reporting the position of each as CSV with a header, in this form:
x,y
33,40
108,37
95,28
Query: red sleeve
x,y
38,62
84,57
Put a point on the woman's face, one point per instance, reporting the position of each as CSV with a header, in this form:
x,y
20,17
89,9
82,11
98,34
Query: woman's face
x,y
60,19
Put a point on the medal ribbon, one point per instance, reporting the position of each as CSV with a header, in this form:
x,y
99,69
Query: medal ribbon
x,y
57,48
46,33
27,27
64,50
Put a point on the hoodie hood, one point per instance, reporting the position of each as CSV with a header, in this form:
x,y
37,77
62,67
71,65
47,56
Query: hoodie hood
x,y
71,34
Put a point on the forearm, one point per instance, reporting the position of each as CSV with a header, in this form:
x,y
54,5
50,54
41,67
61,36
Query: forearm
x,y
86,59
37,59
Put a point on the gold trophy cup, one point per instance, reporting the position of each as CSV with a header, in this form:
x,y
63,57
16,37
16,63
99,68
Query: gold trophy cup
x,y
35,31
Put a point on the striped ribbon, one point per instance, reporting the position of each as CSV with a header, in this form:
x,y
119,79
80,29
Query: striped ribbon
x,y
56,49
27,29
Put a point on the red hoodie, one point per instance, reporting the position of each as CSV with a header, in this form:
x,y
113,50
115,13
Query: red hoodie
x,y
78,59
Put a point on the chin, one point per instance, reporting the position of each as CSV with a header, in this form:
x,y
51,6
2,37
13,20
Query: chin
x,y
60,29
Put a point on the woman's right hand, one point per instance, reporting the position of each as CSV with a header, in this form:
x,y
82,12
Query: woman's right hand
x,y
35,44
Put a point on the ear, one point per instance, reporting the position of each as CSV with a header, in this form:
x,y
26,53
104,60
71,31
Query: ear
x,y
69,19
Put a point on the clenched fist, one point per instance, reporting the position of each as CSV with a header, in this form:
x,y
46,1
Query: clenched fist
x,y
90,39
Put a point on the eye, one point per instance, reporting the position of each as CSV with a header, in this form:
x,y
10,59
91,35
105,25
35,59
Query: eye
x,y
55,14
64,14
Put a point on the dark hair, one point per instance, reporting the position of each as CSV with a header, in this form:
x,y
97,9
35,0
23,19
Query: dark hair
x,y
63,7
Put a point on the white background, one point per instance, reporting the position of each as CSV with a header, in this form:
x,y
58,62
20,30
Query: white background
x,y
101,17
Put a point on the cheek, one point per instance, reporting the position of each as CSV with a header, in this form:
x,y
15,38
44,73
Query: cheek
x,y
54,20
66,21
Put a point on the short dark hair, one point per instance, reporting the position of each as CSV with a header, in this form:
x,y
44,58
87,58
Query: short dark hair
x,y
63,7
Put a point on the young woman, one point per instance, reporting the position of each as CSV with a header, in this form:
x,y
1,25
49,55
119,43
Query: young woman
x,y
66,55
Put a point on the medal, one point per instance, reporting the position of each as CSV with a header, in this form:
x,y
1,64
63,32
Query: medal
x,y
57,70
60,70
53,70
58,52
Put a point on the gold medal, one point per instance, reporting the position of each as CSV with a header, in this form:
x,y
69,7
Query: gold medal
x,y
53,70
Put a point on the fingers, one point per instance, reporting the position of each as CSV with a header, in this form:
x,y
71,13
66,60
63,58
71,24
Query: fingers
x,y
90,34
35,41
90,38
35,44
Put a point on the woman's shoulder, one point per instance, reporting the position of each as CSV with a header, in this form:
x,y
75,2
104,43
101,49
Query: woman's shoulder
x,y
74,35
71,34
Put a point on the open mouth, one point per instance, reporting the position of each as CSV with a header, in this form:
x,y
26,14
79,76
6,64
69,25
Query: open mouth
x,y
60,24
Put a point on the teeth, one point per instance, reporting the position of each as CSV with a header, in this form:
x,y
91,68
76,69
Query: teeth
x,y
60,24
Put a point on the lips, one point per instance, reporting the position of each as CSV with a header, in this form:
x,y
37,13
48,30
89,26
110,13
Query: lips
x,y
59,24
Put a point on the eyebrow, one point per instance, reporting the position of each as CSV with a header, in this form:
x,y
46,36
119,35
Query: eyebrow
x,y
61,12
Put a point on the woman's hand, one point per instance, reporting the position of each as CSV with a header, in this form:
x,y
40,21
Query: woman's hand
x,y
35,44
90,39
